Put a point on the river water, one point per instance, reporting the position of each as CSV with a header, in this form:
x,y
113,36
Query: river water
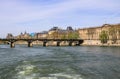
x,y
81,62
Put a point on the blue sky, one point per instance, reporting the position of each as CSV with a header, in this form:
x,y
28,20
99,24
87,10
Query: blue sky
x,y
17,16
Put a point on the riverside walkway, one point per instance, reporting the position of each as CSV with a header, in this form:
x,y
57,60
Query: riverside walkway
x,y
45,41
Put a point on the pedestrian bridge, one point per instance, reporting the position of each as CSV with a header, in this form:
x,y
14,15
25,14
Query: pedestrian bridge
x,y
77,42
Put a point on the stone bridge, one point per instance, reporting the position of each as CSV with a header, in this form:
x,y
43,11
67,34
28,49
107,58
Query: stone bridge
x,y
29,41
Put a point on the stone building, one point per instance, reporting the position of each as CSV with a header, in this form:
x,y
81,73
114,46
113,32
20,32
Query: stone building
x,y
24,35
9,36
42,35
92,35
57,33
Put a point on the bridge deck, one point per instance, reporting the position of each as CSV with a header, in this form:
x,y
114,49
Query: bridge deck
x,y
41,39
11,41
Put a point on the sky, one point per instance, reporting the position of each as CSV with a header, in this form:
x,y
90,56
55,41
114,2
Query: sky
x,y
18,16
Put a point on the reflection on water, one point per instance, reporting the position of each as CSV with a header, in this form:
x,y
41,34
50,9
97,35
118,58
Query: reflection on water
x,y
59,62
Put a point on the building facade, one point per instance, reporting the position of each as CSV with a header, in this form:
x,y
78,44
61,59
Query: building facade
x,y
92,35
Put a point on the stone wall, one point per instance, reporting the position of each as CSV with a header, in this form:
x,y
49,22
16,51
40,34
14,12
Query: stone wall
x,y
91,42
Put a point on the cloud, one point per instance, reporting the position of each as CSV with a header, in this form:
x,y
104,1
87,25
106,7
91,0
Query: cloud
x,y
20,13
19,10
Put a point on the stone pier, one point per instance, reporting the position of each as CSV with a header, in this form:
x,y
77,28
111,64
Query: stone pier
x,y
30,44
12,45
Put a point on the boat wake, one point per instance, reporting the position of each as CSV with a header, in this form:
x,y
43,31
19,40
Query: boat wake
x,y
29,71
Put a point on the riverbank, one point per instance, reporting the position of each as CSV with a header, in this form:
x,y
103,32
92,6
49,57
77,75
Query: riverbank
x,y
98,43
103,45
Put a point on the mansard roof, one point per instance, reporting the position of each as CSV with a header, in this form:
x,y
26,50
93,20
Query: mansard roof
x,y
69,28
44,32
54,28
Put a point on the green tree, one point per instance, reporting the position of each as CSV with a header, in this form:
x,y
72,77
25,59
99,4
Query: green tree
x,y
63,36
73,35
104,36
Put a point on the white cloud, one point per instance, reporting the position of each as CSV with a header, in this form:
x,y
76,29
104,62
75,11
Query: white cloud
x,y
18,11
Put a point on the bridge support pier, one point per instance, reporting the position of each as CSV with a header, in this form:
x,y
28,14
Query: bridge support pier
x,y
12,45
44,43
58,43
70,43
30,44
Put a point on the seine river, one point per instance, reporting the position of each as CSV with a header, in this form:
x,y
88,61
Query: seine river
x,y
82,62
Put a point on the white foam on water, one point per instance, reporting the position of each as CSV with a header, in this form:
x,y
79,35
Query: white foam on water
x,y
26,71
62,76
67,76
48,78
